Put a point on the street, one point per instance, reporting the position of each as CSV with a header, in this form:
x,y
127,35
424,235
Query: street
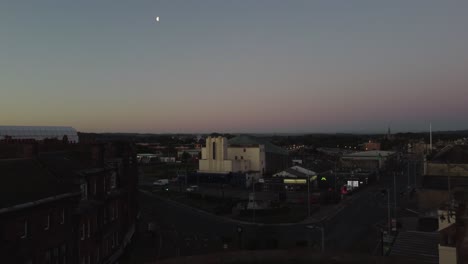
x,y
183,231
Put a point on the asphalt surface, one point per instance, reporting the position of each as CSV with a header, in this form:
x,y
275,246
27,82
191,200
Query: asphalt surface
x,y
183,231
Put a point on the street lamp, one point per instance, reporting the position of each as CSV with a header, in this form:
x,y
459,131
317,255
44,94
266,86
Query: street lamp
x,y
322,230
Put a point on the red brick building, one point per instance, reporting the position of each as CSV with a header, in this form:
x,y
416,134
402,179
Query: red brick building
x,y
66,203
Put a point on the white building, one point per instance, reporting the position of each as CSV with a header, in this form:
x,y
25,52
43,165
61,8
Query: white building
x,y
217,157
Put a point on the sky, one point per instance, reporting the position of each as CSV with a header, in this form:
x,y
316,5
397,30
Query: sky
x,y
263,66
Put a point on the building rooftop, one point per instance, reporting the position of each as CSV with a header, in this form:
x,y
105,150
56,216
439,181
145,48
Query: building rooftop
x,y
247,140
457,154
419,245
26,180
65,164
370,154
39,132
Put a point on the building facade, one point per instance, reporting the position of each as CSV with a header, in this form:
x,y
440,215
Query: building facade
x,y
242,154
75,205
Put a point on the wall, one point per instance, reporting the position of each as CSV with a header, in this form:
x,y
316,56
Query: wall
x,y
447,255
371,146
34,247
430,199
256,156
215,160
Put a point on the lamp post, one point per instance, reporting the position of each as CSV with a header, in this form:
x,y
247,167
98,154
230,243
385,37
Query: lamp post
x,y
322,230
394,195
254,205
308,196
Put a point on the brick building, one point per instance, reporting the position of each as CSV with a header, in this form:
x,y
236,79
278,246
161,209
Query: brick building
x,y
66,203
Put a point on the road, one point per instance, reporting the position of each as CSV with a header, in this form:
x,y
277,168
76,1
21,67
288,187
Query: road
x,y
186,231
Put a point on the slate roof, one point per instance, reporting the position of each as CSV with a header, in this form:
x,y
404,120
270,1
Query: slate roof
x,y
26,180
296,173
247,140
418,245
457,154
64,164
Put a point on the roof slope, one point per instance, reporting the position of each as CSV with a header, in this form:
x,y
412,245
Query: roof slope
x,y
26,180
421,245
247,140
456,154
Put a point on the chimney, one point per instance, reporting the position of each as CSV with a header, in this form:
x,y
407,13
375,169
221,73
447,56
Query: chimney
x,y
97,154
30,150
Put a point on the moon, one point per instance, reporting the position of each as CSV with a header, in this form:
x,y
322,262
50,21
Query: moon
x,y
157,19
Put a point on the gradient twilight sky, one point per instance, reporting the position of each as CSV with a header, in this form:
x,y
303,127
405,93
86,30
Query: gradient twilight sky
x,y
234,66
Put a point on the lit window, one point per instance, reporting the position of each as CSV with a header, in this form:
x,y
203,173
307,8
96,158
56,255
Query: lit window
x,y
47,222
24,232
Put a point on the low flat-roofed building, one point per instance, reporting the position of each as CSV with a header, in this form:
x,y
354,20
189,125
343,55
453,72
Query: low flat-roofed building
x,y
368,160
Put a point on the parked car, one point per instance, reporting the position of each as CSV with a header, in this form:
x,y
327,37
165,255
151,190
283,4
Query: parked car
x,y
192,188
161,182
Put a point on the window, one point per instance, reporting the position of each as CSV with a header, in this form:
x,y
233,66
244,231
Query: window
x,y
82,231
116,210
84,191
56,254
242,157
63,253
24,230
104,185
47,222
62,217
48,257
89,228
117,238
235,157
113,240
214,150
95,186
113,180
105,215
112,212
98,257
244,149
